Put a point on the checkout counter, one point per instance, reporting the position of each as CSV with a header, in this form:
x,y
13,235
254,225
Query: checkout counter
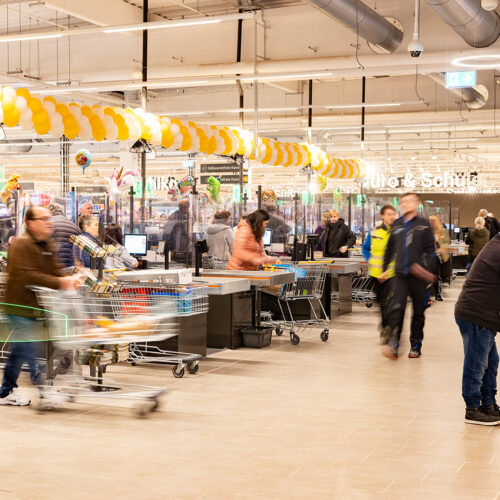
x,y
241,306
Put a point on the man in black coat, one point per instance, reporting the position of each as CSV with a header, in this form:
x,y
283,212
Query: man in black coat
x,y
63,230
337,237
490,222
477,314
411,246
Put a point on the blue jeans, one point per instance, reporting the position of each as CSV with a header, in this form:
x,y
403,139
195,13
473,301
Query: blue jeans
x,y
20,353
479,379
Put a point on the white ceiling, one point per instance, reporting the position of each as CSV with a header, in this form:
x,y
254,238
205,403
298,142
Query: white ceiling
x,y
432,130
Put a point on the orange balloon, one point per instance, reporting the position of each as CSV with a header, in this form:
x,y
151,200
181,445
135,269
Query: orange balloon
x,y
35,105
62,109
51,99
167,139
24,93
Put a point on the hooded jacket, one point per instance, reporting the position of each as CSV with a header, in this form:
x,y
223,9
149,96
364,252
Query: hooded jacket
x,y
220,240
478,302
248,253
63,229
410,242
492,225
476,240
335,237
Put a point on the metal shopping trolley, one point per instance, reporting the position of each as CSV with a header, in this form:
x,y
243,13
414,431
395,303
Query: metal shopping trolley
x,y
363,290
187,300
98,328
308,287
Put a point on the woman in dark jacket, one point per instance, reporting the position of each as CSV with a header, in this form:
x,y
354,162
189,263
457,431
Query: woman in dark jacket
x,y
476,240
338,237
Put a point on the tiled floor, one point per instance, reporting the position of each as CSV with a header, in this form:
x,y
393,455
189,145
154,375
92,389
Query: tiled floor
x,y
334,420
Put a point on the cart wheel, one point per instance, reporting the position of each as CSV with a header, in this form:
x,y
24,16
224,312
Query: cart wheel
x,y
144,409
294,339
368,304
324,335
193,367
178,372
279,331
133,363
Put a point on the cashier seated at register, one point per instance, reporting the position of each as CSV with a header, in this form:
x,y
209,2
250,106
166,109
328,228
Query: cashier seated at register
x,y
113,235
248,251
89,224
337,237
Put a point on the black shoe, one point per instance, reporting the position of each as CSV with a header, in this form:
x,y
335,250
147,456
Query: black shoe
x,y
439,298
390,352
493,410
479,417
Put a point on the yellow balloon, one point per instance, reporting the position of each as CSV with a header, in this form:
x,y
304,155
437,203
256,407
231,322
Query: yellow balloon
x,y
24,93
51,99
11,117
167,138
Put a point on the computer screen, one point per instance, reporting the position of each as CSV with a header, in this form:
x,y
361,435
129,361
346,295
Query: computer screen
x,y
291,239
136,244
268,234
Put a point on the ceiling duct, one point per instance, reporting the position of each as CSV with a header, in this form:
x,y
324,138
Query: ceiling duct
x,y
474,97
360,19
478,27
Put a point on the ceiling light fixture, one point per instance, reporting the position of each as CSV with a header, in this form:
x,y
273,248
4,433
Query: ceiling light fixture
x,y
159,25
491,61
286,76
33,37
153,25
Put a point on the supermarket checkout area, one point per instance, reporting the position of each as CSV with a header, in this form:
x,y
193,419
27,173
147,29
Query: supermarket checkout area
x,y
234,299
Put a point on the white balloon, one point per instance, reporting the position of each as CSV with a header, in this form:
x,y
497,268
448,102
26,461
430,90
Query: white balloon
x,y
57,132
83,122
156,138
9,92
26,124
177,141
112,133
21,103
85,133
75,111
175,129
26,115
55,119
98,112
49,107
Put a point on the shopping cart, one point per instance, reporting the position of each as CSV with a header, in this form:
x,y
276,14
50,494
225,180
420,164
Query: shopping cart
x,y
363,290
188,300
98,328
212,262
308,286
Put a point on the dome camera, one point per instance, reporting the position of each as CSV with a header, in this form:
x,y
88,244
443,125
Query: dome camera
x,y
415,48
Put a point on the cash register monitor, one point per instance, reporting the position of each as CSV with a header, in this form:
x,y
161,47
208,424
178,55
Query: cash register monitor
x,y
268,235
136,244
290,240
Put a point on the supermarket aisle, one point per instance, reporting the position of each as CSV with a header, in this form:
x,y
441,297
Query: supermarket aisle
x,y
315,420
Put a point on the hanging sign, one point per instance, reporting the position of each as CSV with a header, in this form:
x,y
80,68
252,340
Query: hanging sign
x,y
460,79
215,168
224,179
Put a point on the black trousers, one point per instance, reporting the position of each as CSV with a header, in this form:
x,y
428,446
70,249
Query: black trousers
x,y
402,288
383,292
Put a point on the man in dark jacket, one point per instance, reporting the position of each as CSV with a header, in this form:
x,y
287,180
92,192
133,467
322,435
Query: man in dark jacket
x,y
411,244
477,314
32,261
63,230
338,237
490,222
278,226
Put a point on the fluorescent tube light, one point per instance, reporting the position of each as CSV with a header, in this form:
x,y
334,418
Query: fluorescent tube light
x,y
159,25
41,36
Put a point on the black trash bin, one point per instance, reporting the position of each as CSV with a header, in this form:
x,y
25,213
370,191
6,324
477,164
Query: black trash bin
x,y
256,336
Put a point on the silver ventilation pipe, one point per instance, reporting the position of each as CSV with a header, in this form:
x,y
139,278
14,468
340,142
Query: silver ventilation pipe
x,y
478,27
474,97
358,17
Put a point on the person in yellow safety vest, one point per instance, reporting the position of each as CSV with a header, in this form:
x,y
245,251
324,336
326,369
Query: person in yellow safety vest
x,y
373,250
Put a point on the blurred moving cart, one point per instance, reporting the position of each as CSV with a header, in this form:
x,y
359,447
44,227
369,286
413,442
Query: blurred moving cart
x,y
191,300
98,328
308,287
363,290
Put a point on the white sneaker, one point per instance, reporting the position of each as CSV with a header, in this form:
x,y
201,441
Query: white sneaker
x,y
15,399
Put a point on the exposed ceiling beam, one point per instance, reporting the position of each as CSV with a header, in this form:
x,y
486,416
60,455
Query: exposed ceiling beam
x,y
110,12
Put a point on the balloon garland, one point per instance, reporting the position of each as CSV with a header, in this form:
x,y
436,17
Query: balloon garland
x,y
49,116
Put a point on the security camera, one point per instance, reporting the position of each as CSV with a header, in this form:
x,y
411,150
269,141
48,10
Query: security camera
x,y
415,48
